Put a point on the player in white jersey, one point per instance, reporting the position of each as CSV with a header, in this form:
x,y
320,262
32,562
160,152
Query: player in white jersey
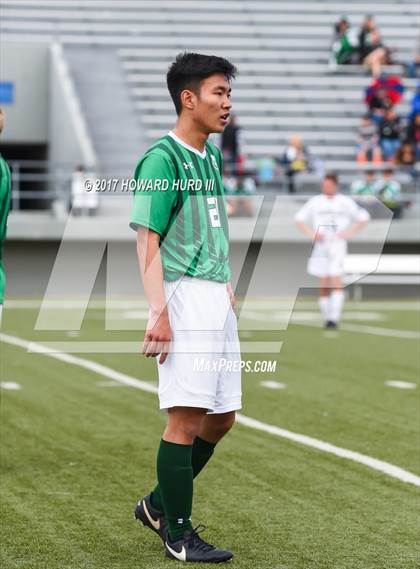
x,y
330,219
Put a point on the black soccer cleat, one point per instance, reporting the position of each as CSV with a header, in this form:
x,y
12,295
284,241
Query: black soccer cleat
x,y
331,325
151,517
193,548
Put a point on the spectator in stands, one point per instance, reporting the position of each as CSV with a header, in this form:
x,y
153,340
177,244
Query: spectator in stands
x,y
83,194
413,66
405,158
413,134
372,51
265,170
379,103
368,148
415,102
238,193
231,145
345,44
390,132
366,186
389,192
296,159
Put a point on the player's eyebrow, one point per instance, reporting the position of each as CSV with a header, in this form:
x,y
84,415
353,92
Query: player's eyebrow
x,y
223,88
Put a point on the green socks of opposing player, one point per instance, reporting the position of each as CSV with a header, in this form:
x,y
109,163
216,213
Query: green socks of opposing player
x,y
177,465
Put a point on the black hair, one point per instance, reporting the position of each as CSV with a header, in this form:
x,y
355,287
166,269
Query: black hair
x,y
189,69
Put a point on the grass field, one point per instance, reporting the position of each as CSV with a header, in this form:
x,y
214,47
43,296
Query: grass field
x,y
78,448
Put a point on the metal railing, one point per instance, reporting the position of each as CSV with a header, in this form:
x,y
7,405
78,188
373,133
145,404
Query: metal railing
x,y
53,182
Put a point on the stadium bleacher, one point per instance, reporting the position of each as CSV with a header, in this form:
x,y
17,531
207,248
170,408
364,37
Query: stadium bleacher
x,y
281,49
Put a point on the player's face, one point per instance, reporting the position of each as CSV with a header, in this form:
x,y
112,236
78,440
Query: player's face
x,y
213,104
329,187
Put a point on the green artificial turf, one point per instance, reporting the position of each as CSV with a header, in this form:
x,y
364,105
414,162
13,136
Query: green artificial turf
x,y
77,454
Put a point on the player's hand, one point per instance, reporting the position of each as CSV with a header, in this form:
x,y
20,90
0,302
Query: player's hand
x,y
158,336
231,294
319,236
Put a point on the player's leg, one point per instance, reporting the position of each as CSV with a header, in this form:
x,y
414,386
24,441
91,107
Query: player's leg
x,y
174,467
215,426
324,298
175,476
337,298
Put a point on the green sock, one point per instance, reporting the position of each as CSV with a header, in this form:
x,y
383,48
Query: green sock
x,y
175,478
201,454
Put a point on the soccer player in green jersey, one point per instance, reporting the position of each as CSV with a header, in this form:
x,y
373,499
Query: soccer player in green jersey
x,y
180,217
5,193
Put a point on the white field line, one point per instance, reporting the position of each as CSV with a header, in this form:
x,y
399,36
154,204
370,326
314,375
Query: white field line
x,y
273,384
10,385
379,465
375,330
401,384
269,304
282,324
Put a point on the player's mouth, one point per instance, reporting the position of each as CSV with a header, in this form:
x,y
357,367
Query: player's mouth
x,y
225,118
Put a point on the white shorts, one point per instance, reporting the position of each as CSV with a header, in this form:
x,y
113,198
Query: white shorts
x,y
327,258
203,368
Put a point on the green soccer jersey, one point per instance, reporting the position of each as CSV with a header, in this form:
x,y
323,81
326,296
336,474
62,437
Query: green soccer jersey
x,y
5,192
180,195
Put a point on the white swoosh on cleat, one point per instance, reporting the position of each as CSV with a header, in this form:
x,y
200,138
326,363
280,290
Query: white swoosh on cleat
x,y
155,523
182,555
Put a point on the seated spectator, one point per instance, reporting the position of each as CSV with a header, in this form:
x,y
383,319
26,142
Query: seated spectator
x,y
366,186
238,193
368,148
296,159
389,133
405,159
345,45
372,51
84,198
389,192
379,103
265,170
413,134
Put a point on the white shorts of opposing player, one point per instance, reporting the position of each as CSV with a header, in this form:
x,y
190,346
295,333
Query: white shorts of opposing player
x,y
203,367
327,257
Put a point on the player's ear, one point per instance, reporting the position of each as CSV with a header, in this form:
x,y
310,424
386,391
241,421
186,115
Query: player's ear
x,y
188,99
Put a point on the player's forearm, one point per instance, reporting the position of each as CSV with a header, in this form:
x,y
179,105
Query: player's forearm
x,y
356,227
306,230
151,271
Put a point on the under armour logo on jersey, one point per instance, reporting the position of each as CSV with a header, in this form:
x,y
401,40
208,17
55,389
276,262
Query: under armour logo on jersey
x,y
188,165
214,162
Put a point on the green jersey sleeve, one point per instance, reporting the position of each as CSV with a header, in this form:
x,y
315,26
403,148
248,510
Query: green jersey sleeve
x,y
155,200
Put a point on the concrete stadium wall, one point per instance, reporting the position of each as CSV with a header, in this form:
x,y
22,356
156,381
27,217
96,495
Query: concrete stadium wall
x,y
45,108
26,65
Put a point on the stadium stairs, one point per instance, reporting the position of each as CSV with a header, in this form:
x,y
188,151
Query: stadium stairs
x,y
119,51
